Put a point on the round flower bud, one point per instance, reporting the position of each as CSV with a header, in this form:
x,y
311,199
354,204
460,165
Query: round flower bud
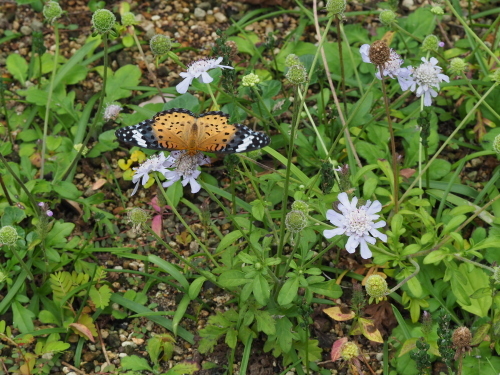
x,y
496,144
379,53
300,206
336,7
51,11
160,44
496,270
430,43
297,74
457,66
8,235
376,287
79,146
103,20
292,59
438,11
137,216
387,16
128,19
461,337
295,221
349,350
250,80
495,77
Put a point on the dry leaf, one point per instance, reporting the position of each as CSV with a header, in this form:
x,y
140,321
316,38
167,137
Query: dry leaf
x,y
82,330
99,183
339,314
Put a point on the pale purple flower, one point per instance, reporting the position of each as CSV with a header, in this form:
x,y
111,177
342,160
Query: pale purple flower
x,y
112,111
426,79
199,70
356,223
45,208
154,164
185,167
441,44
392,68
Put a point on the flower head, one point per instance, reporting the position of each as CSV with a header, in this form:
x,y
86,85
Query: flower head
x,y
160,44
349,350
336,7
199,70
297,74
103,20
8,235
128,19
457,66
154,164
137,217
250,80
356,223
376,287
295,221
426,78
51,11
45,208
291,59
431,43
112,111
437,10
387,16
186,167
391,68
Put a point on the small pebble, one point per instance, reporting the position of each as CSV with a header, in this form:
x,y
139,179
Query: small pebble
x,y
199,13
26,30
220,17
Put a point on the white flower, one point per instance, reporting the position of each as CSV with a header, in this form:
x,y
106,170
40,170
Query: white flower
x,y
199,70
356,223
112,111
427,76
154,164
186,166
392,68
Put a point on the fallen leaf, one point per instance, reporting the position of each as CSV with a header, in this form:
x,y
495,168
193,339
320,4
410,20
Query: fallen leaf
x,y
99,183
82,330
336,348
339,313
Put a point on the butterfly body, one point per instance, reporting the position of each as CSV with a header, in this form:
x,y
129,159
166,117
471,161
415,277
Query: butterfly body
x,y
181,129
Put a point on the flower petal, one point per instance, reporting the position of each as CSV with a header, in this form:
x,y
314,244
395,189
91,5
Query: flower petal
x,y
365,251
329,233
205,78
352,244
183,86
365,51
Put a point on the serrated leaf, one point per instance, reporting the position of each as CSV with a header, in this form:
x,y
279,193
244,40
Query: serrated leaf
x,y
339,314
184,368
135,363
56,347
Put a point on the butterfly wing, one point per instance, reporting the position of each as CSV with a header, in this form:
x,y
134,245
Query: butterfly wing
x,y
167,130
215,134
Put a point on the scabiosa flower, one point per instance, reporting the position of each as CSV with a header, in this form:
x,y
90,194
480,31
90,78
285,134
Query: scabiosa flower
x,y
8,235
457,66
186,167
356,223
427,77
128,19
154,164
392,67
387,16
199,70
297,74
376,288
295,221
160,44
336,7
430,43
103,20
112,111
495,77
291,60
51,11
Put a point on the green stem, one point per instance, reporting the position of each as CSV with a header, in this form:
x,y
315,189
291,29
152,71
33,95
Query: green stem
x,y
23,265
214,101
406,279
49,100
270,116
341,60
479,97
443,146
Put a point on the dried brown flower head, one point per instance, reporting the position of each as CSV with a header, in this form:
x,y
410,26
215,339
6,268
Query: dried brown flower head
x,y
461,337
379,53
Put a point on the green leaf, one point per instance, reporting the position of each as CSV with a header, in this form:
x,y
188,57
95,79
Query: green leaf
x,y
184,368
18,67
179,312
56,347
126,76
195,287
171,269
228,240
288,291
454,223
327,288
261,290
187,101
477,280
100,297
265,322
284,334
258,209
231,338
23,318
57,235
232,278
135,363
12,215
66,190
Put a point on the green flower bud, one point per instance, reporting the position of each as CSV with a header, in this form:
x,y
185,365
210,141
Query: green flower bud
x,y
300,206
250,80
103,20
51,11
292,59
496,144
8,235
495,77
458,66
336,7
376,287
430,43
297,74
349,351
160,44
295,221
438,11
137,217
79,146
128,19
387,17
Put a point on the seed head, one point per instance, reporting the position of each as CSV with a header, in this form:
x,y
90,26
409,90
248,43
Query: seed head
x,y
461,337
291,60
128,19
336,7
250,80
430,43
458,66
51,11
349,350
160,44
387,17
137,217
376,287
297,74
8,235
103,20
295,221
379,53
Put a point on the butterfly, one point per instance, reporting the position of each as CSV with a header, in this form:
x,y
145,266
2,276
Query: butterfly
x,y
181,129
